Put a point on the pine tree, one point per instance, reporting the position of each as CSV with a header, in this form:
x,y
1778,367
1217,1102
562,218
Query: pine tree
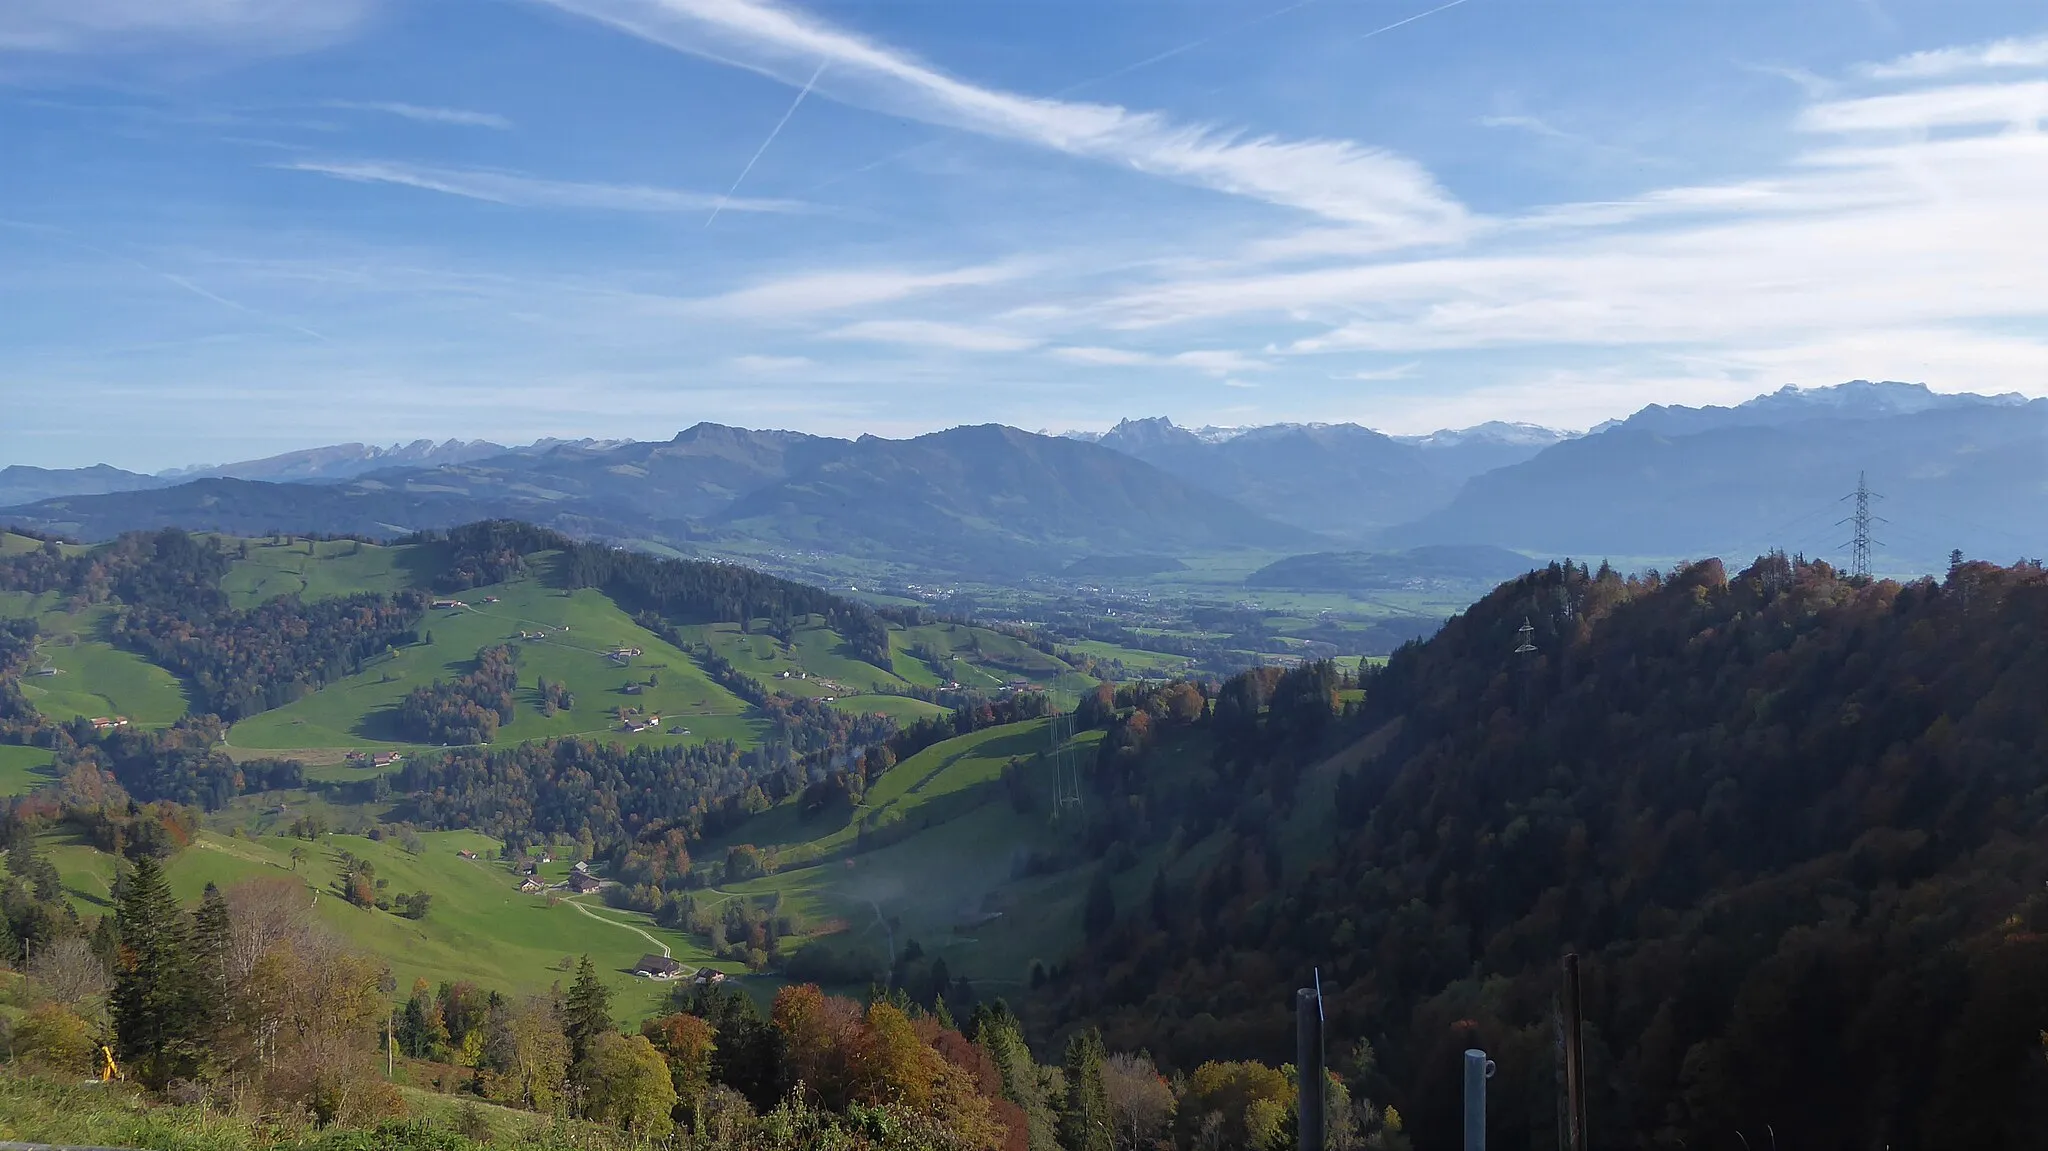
x,y
587,1012
158,1008
210,941
1085,1122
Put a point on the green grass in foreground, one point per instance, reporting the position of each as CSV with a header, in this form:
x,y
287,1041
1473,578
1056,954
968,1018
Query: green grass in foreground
x,y
576,631
23,769
64,1110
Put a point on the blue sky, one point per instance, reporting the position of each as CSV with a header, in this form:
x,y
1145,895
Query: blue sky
x,y
234,227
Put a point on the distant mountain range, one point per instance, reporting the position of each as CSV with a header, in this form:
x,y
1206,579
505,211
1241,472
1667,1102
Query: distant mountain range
x,y
1956,471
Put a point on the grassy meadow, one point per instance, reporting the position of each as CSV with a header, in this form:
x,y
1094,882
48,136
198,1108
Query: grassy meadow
x,y
23,769
953,879
569,637
479,926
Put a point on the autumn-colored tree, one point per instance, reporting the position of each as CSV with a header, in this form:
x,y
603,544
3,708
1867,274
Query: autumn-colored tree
x,y
1250,1100
529,1056
629,1085
1141,1102
687,1043
50,1035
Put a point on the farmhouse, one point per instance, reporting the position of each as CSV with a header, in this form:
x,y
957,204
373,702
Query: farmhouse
x,y
532,886
465,853
385,758
583,883
706,977
657,967
102,723
449,603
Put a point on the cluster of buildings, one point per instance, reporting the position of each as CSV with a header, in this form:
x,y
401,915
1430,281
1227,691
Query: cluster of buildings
x,y
663,967
364,759
105,724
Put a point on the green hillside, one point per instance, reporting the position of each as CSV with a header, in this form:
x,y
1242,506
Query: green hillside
x,y
568,638
23,769
479,927
951,879
314,570
92,677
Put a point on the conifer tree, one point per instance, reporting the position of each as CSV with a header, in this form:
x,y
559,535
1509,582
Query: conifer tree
x,y
211,932
1085,1123
158,1009
587,1011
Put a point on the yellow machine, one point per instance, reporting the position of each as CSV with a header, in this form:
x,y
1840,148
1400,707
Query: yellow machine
x,y
109,1070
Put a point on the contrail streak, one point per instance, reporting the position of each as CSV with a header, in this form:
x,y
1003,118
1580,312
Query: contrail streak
x,y
1409,20
773,132
1126,70
1190,46
63,236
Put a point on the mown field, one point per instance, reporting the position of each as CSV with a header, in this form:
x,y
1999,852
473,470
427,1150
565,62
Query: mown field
x,y
91,676
569,637
479,926
312,569
23,769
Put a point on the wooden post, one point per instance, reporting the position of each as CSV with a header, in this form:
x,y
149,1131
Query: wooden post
x,y
1574,1057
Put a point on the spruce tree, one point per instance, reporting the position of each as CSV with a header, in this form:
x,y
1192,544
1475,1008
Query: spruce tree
x,y
587,1012
1085,1122
210,941
158,1008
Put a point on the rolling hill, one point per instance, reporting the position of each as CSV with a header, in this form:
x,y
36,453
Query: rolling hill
x,y
970,499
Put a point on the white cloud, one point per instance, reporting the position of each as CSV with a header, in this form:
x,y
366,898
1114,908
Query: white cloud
x,y
266,26
2022,105
1397,372
1361,186
2013,52
425,114
1214,362
532,191
1534,124
1908,233
770,364
933,334
814,292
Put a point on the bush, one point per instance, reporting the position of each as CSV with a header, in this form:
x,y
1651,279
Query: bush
x,y
51,1036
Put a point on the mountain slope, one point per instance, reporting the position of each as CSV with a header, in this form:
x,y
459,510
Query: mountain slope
x,y
992,496
1796,827
253,508
335,462
1957,476
22,484
1341,479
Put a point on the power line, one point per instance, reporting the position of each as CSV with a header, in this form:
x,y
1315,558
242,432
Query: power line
x,y
1860,542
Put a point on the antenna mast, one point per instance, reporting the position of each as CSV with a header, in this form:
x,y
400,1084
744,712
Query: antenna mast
x,y
1860,542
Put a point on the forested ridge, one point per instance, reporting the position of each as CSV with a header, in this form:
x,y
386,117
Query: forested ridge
x,y
688,591
1796,825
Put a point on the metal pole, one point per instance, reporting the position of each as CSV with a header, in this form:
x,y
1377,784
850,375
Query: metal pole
x,y
1574,1056
1478,1069
1308,1065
